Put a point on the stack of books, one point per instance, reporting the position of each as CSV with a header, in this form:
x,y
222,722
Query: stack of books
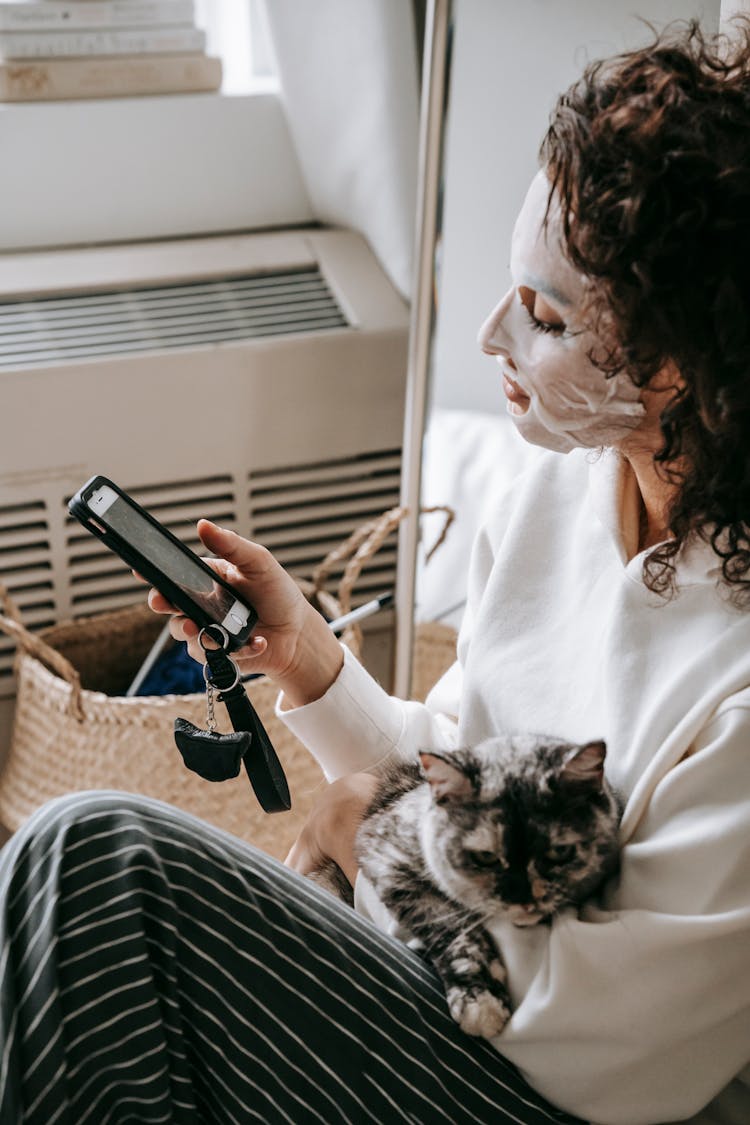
x,y
52,50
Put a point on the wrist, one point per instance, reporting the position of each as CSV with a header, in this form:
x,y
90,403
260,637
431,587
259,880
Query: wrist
x,y
316,664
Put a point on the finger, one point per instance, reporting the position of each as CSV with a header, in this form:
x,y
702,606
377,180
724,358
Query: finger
x,y
158,603
256,647
183,629
175,628
300,858
251,559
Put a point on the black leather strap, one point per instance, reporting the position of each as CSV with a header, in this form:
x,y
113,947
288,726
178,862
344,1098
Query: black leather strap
x,y
260,760
217,757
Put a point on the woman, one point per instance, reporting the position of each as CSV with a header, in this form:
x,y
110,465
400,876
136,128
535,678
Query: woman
x,y
155,970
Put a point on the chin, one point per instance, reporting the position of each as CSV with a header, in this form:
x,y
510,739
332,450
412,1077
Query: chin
x,y
523,918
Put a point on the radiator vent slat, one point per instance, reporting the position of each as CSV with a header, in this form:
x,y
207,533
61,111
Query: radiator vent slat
x,y
26,571
189,326
359,491
22,316
302,512
366,465
79,326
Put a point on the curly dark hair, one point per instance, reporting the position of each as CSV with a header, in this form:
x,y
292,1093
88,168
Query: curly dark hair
x,y
650,152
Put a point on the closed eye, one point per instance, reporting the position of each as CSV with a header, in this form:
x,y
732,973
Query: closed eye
x,y
484,858
559,854
541,315
557,329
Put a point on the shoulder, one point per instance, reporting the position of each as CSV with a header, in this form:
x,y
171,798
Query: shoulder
x,y
551,490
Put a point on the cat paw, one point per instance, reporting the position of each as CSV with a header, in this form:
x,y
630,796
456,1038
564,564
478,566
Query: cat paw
x,y
497,970
478,1013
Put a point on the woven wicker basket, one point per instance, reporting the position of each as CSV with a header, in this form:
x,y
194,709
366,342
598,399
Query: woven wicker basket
x,y
434,653
73,731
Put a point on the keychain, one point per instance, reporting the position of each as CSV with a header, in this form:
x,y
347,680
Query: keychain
x,y
216,756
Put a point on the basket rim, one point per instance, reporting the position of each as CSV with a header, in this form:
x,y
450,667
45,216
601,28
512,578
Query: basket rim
x,y
65,631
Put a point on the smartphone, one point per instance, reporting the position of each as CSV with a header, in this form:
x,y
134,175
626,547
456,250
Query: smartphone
x,y
178,573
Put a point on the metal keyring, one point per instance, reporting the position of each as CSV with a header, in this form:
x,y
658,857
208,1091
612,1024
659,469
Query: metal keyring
x,y
210,683
224,637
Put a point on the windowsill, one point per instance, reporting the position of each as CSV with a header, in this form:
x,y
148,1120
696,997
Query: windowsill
x,y
119,169
261,87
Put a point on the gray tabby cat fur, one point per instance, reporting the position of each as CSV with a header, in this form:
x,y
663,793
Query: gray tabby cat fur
x,y
522,825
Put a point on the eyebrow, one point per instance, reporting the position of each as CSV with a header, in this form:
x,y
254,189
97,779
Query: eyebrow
x,y
548,290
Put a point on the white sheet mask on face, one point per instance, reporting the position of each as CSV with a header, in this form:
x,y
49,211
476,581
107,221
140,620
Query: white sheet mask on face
x,y
571,402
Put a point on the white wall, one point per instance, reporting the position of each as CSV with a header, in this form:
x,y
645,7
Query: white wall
x,y
510,61
125,169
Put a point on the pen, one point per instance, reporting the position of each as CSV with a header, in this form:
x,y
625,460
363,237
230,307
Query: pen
x,y
338,625
361,612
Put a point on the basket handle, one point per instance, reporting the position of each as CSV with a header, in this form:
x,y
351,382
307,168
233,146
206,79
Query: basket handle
x,y
11,624
358,548
363,543
450,515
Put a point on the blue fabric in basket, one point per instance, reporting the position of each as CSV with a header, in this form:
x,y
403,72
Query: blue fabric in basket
x,y
174,673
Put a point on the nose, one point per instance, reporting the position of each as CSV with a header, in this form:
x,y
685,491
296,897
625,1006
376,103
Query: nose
x,y
524,915
492,339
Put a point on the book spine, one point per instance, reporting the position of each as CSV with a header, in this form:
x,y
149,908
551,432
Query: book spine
x,y
128,41
62,79
91,14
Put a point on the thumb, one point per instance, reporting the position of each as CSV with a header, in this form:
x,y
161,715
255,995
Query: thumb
x,y
250,559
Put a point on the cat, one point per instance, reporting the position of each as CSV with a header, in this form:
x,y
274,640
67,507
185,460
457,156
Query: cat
x,y
520,825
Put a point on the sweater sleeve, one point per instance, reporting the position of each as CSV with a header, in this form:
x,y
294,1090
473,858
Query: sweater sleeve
x,y
641,1013
356,725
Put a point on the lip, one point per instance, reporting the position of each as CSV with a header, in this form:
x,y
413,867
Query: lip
x,y
518,400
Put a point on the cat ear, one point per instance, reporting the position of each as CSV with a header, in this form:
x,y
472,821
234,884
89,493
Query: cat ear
x,y
447,780
586,763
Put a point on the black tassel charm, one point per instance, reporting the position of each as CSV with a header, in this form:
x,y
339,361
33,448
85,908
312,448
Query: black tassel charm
x,y
217,757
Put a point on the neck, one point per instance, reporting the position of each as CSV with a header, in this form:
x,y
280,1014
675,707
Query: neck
x,y
656,497
640,448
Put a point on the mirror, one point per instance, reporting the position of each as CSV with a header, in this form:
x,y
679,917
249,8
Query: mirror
x,y
508,63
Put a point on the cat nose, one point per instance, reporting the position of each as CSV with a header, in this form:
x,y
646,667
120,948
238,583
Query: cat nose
x,y
525,914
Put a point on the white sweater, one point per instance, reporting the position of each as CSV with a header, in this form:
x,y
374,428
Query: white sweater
x,y
639,1013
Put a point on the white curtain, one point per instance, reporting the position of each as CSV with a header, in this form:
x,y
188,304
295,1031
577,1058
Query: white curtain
x,y
349,81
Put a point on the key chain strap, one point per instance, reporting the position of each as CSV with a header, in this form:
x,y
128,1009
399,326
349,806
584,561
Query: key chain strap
x,y
250,743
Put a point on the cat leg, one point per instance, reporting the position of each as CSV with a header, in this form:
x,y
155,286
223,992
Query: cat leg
x,y
461,951
474,978
331,878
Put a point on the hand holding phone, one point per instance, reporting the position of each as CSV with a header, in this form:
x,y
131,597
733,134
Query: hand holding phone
x,y
148,547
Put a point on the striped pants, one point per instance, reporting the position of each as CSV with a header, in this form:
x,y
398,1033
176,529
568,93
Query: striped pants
x,y
154,969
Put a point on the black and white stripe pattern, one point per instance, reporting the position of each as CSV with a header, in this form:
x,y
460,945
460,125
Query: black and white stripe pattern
x,y
154,969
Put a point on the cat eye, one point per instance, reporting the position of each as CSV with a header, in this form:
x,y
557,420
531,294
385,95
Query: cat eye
x,y
561,853
484,858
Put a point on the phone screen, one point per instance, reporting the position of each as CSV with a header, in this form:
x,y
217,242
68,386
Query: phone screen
x,y
116,513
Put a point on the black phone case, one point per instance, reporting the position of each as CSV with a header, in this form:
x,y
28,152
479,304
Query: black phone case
x,y
79,508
